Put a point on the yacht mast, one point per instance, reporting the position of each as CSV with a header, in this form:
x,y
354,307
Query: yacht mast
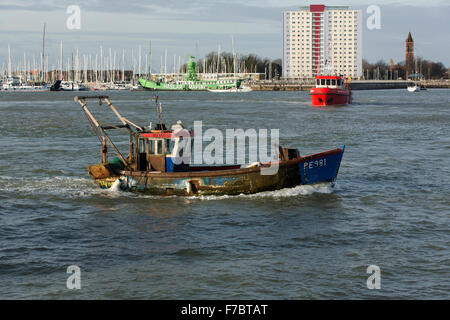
x,y
9,61
218,61
139,66
43,55
123,65
61,60
101,64
234,56
149,73
165,62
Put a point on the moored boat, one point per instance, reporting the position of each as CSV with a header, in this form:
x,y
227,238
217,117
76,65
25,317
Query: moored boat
x,y
155,163
72,86
191,82
330,90
230,90
413,88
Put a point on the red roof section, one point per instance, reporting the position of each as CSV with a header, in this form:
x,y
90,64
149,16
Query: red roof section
x,y
157,135
317,8
166,134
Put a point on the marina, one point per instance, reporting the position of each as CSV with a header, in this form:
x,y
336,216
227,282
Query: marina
x,y
209,152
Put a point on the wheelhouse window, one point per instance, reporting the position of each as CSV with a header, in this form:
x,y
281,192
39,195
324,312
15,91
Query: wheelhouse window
x,y
169,146
142,146
328,82
156,147
333,82
159,146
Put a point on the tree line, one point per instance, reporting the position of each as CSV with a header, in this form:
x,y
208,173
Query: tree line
x,y
389,71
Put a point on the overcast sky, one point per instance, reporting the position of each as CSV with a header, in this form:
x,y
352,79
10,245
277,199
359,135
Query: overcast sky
x,y
179,24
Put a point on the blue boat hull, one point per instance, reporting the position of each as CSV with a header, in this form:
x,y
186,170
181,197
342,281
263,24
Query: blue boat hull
x,y
321,167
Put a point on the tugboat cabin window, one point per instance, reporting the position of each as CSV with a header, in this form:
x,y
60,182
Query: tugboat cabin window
x,y
333,82
339,82
328,82
323,82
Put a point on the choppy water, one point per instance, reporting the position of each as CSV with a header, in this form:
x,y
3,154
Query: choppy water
x,y
389,208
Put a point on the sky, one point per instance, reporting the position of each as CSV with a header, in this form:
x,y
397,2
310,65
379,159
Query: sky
x,y
178,25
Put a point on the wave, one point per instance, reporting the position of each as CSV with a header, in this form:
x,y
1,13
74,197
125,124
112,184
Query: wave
x,y
303,190
59,185
84,187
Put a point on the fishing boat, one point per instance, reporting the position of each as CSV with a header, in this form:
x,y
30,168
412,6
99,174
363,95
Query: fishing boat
x,y
191,82
330,90
155,163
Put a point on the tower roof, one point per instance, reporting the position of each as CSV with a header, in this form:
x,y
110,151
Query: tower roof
x,y
409,39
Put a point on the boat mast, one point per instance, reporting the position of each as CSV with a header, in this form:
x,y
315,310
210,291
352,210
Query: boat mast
x,y
101,63
34,68
61,60
174,63
165,63
43,55
133,62
139,65
9,61
123,65
234,56
110,65
96,69
218,61
149,72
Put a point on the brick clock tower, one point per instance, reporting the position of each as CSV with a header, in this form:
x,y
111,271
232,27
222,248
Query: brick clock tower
x,y
409,58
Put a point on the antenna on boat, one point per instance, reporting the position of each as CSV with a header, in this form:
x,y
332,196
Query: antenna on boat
x,y
160,125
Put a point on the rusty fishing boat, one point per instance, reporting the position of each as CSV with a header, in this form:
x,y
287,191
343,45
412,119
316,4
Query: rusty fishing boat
x,y
153,163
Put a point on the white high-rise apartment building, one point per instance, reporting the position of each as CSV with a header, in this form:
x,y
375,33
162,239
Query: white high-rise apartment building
x,y
321,39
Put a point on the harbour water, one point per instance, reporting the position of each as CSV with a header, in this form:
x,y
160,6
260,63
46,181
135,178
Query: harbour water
x,y
390,206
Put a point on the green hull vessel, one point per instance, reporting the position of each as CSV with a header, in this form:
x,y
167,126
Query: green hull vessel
x,y
190,85
191,82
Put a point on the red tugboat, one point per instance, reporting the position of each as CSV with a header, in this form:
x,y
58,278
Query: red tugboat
x,y
330,90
